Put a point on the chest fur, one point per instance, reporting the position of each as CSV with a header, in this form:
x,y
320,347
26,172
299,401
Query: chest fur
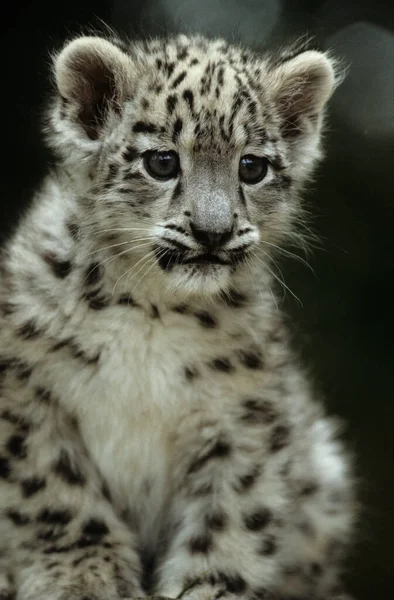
x,y
152,372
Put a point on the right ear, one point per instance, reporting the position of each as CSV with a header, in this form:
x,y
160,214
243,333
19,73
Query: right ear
x,y
93,79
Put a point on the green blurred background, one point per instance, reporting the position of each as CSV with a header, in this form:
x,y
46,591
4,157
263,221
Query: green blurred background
x,y
344,324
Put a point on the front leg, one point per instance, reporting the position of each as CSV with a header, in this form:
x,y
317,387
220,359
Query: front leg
x,y
227,517
63,539
262,511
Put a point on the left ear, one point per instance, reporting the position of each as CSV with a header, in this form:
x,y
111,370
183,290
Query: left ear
x,y
93,77
300,87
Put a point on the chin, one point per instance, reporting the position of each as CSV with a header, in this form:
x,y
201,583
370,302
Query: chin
x,y
206,280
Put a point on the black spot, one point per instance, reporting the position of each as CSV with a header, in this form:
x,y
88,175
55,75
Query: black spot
x,y
54,517
201,544
235,584
5,364
130,154
177,191
280,438
245,482
178,125
222,364
268,546
171,103
95,301
68,471
193,62
29,331
16,446
93,532
180,308
20,422
5,468
60,268
189,98
258,411
257,520
316,569
217,521
141,127
191,373
127,300
17,518
43,394
234,299
206,319
309,489
32,485
50,535
73,229
93,273
221,449
178,80
154,312
251,360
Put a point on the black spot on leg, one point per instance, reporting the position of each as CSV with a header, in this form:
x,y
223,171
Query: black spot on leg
x,y
222,364
32,485
29,331
95,528
251,359
5,468
68,471
155,312
200,544
309,489
258,410
221,449
17,518
235,584
191,373
54,517
257,520
280,438
206,320
247,481
217,520
16,446
43,395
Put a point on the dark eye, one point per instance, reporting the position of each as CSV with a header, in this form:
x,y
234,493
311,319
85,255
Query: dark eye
x,y
252,169
161,165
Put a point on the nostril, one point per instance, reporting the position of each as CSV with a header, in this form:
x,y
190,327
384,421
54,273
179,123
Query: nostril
x,y
212,239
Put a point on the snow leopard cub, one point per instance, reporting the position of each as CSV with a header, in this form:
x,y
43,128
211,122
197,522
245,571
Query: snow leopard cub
x,y
157,434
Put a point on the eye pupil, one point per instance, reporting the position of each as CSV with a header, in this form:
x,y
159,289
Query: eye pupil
x,y
252,169
162,165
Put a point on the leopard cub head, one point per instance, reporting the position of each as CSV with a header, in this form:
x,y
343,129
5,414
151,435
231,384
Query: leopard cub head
x,y
192,152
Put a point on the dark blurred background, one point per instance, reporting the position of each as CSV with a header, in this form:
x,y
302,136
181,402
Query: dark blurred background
x,y
345,325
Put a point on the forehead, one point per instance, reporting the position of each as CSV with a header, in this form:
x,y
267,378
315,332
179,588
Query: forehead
x,y
190,88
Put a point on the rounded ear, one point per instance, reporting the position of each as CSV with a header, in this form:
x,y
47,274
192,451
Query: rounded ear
x,y
92,77
300,88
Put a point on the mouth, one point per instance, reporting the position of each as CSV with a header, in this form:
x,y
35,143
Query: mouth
x,y
174,258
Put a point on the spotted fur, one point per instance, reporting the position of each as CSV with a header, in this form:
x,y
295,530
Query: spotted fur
x,y
157,434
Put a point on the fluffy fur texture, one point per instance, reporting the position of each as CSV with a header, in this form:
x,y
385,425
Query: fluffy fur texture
x,y
156,431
